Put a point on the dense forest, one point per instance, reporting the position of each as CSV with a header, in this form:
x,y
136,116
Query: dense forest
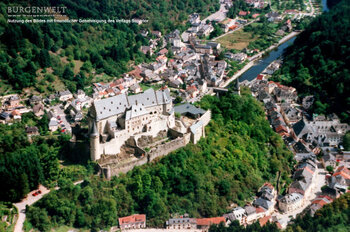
x,y
238,155
46,55
332,217
24,163
318,62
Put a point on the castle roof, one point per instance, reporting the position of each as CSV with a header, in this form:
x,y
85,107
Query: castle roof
x,y
108,107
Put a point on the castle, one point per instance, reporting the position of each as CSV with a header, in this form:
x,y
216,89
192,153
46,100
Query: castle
x,y
114,120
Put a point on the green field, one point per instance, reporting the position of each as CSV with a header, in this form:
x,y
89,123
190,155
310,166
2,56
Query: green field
x,y
237,40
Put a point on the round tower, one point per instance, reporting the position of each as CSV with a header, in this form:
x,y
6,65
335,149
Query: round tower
x,y
94,143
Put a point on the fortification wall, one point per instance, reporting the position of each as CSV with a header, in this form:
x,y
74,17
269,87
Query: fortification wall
x,y
114,170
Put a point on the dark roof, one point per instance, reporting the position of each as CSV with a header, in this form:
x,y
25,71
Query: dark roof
x,y
188,108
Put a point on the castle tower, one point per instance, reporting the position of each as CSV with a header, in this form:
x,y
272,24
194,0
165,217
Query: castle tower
x,y
94,143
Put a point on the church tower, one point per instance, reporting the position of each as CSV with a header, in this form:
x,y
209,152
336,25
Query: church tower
x,y
94,143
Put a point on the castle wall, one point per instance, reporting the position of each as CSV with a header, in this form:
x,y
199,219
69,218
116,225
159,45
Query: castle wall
x,y
160,151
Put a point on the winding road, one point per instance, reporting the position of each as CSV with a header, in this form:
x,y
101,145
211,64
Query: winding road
x,y
29,200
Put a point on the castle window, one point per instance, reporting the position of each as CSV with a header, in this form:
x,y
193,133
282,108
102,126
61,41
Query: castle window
x,y
101,112
117,108
109,110
111,102
120,103
104,108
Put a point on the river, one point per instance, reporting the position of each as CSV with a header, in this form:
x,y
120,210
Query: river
x,y
255,70
324,5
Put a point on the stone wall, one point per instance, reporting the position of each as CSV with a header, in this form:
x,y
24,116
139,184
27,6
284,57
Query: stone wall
x,y
115,169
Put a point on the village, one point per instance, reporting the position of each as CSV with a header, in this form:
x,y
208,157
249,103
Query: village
x,y
186,67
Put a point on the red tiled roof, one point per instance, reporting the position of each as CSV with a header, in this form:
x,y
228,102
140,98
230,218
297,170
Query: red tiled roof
x,y
268,184
209,221
319,202
264,220
136,72
259,77
15,112
260,210
281,128
343,171
132,219
163,51
242,13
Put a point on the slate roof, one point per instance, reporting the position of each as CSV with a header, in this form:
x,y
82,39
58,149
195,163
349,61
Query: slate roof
x,y
188,108
108,107
263,203
135,111
300,128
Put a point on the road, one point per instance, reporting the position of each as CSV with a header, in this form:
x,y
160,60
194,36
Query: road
x,y
319,181
29,200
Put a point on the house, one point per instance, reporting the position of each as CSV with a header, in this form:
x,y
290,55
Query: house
x,y
239,57
228,24
80,94
318,203
291,115
340,180
146,50
322,131
329,159
243,13
254,16
204,223
5,116
32,131
238,214
38,110
35,100
273,16
183,222
157,33
135,88
192,91
163,51
194,18
53,124
205,30
65,95
16,115
135,221
13,102
290,202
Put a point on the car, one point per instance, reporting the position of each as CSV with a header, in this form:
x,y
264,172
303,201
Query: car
x,y
39,192
34,194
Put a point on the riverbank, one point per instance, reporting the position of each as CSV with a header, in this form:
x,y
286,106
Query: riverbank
x,y
253,59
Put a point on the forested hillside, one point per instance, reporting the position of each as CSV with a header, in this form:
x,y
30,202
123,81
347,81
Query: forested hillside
x,y
238,155
24,164
52,55
318,62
